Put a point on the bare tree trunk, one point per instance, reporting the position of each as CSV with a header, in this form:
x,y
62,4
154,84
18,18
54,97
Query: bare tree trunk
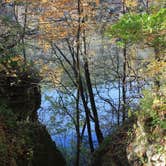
x,y
119,88
90,92
157,79
78,130
87,114
79,78
23,32
93,105
124,89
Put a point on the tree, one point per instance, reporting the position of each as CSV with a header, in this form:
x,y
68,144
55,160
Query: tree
x,y
68,22
150,30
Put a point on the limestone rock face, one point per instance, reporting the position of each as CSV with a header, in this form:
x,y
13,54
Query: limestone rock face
x,y
144,150
133,144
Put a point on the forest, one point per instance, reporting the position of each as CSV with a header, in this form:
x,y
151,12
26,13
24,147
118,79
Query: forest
x,y
82,83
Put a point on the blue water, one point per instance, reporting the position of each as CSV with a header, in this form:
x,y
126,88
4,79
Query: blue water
x,y
59,123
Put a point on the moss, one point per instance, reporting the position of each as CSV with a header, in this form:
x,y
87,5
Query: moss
x,y
112,151
23,140
133,143
27,143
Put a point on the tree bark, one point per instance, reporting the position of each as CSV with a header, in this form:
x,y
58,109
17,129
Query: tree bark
x,y
124,89
78,130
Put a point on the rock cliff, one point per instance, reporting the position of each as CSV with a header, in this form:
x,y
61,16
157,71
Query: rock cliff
x,y
136,143
23,140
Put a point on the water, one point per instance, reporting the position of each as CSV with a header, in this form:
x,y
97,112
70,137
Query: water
x,y
57,118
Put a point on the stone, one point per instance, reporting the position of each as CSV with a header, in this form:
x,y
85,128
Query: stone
x,y
155,157
162,158
24,142
135,147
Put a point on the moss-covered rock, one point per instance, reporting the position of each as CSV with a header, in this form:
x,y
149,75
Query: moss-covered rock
x,y
26,144
23,140
133,144
24,100
19,87
112,152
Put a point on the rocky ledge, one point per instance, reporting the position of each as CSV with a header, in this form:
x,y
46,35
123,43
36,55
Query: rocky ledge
x,y
138,142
